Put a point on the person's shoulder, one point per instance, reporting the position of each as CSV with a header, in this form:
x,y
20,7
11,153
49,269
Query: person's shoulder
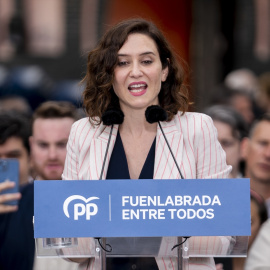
x,y
27,188
27,201
84,128
192,117
81,122
266,224
83,125
192,123
264,230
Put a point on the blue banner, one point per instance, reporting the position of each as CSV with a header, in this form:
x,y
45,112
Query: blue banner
x,y
141,208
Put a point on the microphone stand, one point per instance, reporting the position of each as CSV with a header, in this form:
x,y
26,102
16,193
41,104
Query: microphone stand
x,y
103,254
103,165
103,251
180,254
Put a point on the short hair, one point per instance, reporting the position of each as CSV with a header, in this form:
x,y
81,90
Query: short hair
x,y
231,117
14,124
98,95
264,117
56,109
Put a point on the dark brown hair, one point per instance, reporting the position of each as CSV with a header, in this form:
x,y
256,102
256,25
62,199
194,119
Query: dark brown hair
x,y
98,95
15,124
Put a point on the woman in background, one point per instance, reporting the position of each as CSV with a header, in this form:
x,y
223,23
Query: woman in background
x,y
132,68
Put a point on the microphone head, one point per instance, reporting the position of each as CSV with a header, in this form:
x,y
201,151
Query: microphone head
x,y
112,116
155,113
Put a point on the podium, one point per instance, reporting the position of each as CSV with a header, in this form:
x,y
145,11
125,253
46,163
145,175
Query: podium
x,y
140,247
145,219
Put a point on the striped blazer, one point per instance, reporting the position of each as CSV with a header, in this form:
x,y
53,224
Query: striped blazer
x,y
193,140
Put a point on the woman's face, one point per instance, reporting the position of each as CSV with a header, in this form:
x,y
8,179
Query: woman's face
x,y
138,74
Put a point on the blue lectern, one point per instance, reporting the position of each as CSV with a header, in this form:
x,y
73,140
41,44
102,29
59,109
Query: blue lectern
x,y
149,218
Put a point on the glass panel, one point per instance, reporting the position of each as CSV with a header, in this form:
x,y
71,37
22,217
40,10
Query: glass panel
x,y
196,246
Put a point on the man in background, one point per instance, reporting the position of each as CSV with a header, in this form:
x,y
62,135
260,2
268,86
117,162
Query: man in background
x,y
51,126
17,245
52,122
256,152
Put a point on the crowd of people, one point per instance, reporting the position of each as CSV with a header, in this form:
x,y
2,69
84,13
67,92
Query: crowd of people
x,y
39,144
246,151
140,59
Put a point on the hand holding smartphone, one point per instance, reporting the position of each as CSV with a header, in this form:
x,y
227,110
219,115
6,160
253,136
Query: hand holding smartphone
x,y
9,185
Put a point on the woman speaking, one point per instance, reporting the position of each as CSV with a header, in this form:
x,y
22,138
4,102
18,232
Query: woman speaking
x,y
138,126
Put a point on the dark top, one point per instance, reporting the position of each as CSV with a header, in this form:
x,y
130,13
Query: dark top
x,y
118,169
17,246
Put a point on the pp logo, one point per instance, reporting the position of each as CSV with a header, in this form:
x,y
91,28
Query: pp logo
x,y
81,209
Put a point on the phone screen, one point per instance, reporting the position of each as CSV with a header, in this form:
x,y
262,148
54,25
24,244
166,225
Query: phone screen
x,y
9,171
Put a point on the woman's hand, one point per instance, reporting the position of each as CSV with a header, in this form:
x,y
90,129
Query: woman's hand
x,y
5,198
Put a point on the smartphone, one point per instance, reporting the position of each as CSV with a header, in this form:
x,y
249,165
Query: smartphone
x,y
9,171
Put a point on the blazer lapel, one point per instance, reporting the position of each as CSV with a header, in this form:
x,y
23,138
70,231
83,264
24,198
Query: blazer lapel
x,y
98,149
165,167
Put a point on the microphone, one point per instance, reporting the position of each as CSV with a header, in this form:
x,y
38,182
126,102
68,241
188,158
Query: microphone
x,y
111,117
155,114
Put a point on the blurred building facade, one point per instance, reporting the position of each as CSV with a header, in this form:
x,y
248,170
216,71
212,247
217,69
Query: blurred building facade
x,y
44,44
